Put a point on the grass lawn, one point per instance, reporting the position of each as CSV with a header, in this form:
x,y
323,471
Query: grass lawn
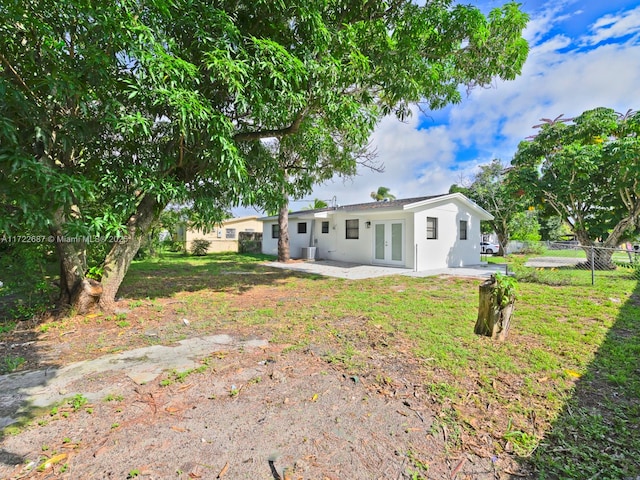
x,y
561,394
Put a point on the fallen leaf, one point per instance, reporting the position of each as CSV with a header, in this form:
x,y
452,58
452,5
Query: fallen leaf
x,y
100,450
52,461
573,373
224,470
458,467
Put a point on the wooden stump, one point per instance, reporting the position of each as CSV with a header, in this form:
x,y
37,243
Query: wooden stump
x,y
493,321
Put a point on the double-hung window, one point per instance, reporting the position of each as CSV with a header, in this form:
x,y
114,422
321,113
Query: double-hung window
x,y
353,229
463,229
432,228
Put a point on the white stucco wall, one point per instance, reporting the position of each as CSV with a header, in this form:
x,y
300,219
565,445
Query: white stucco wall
x,y
447,250
335,245
296,240
269,245
338,247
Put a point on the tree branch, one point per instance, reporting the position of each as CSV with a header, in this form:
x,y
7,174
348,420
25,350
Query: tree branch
x,y
273,133
18,77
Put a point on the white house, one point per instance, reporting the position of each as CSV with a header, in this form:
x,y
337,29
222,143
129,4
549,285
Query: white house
x,y
421,233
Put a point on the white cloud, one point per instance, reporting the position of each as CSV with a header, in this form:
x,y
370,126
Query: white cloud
x,y
557,79
614,26
546,19
416,163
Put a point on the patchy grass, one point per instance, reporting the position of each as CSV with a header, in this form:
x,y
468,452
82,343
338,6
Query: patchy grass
x,y
10,363
561,394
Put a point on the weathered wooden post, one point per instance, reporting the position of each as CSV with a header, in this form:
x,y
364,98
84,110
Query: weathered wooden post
x,y
497,300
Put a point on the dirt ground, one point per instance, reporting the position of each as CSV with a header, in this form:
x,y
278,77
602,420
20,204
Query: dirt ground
x,y
268,413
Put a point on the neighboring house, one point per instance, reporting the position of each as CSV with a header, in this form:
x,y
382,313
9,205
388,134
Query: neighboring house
x,y
223,238
421,233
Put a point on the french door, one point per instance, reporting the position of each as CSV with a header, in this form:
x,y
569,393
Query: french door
x,y
388,242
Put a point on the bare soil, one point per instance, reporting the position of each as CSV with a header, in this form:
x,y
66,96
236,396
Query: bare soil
x,y
272,413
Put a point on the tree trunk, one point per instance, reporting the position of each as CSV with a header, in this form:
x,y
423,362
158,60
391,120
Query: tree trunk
x,y
284,253
503,239
119,258
76,291
492,321
597,257
602,258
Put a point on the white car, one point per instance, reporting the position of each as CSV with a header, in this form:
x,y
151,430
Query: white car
x,y
489,248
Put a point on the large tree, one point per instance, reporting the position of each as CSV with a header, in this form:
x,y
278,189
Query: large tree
x,y
113,109
314,154
491,190
587,171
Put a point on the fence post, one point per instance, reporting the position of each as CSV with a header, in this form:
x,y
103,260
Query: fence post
x,y
593,265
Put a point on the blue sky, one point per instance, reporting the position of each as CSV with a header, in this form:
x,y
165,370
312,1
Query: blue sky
x,y
583,54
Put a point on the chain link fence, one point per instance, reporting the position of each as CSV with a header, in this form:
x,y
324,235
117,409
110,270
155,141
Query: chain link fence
x,y
569,263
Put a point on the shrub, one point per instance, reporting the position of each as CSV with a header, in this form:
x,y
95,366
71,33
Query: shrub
x,y
200,247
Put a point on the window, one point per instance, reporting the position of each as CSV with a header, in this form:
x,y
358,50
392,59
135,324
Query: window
x,y
302,227
353,229
432,228
463,229
275,231
325,227
230,233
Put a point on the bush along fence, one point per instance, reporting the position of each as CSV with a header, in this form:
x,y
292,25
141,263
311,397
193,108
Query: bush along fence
x,y
560,263
250,242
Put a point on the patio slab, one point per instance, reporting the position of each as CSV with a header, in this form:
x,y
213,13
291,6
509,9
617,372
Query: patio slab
x,y
356,271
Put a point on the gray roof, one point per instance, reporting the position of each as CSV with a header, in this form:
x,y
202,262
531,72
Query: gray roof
x,y
385,205
359,207
391,205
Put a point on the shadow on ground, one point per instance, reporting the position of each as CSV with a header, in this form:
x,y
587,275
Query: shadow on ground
x,y
15,346
597,434
151,280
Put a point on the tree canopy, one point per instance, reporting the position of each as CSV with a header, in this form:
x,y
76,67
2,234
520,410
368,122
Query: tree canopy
x,y
491,190
113,109
587,171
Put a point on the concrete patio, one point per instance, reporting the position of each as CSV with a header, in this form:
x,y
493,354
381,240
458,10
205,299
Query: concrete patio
x,y
355,271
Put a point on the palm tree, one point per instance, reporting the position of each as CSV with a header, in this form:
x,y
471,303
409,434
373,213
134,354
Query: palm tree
x,y
382,194
317,204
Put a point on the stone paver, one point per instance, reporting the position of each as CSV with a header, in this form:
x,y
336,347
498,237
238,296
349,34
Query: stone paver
x,y
41,388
